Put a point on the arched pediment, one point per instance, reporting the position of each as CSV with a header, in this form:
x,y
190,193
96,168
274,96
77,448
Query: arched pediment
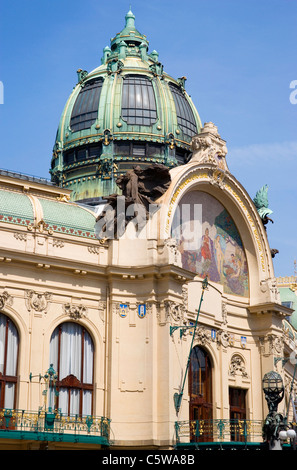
x,y
237,210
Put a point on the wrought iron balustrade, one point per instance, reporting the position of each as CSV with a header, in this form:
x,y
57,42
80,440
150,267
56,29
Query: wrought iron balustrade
x,y
51,425
218,430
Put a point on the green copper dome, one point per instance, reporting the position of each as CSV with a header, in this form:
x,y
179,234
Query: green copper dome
x,y
127,111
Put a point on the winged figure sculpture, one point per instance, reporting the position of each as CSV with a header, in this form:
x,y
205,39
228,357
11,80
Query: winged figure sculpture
x,y
141,187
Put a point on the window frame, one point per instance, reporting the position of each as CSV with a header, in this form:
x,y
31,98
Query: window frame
x,y
201,404
138,103
4,378
71,382
85,109
184,112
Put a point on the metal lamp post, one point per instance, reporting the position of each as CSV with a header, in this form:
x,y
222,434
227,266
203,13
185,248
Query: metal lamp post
x,y
274,425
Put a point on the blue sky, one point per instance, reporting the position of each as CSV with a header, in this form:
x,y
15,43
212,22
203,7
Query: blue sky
x,y
239,57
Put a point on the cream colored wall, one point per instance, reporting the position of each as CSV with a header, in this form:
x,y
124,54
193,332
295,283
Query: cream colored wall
x,y
138,364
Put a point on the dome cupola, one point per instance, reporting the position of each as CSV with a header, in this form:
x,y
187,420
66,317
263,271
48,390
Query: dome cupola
x,y
125,112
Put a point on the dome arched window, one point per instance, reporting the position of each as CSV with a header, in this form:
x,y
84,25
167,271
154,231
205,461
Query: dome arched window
x,y
185,116
85,109
72,354
138,101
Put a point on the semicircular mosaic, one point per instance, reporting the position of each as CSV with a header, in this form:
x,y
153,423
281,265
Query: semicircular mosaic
x,y
209,242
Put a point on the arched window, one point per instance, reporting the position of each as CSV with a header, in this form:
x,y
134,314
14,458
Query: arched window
x,y
9,343
72,353
138,101
200,391
185,116
85,109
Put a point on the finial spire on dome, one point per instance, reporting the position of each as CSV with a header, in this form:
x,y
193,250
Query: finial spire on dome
x,y
130,19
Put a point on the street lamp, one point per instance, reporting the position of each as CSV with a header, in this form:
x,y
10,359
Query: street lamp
x,y
275,426
273,389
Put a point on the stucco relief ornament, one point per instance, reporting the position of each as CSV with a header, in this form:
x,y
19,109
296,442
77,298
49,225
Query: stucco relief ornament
x,y
237,365
209,147
175,311
275,344
75,311
224,338
224,313
163,313
37,301
5,299
203,336
270,286
102,309
173,252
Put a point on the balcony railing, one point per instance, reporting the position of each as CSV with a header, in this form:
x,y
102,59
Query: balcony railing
x,y
211,431
53,426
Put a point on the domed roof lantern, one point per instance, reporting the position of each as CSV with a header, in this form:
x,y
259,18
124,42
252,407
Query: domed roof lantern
x,y
129,34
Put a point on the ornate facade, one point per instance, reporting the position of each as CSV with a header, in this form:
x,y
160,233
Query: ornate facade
x,y
96,332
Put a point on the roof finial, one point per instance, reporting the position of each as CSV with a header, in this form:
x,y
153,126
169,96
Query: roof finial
x,y
130,19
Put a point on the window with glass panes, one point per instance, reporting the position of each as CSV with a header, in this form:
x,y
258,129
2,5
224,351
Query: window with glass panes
x,y
9,344
72,353
185,116
200,392
138,101
85,109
